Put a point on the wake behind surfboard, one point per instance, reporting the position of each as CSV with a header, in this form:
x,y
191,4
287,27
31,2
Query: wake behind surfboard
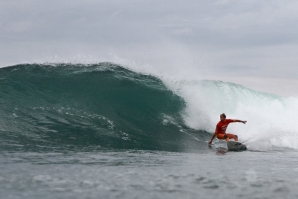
x,y
236,146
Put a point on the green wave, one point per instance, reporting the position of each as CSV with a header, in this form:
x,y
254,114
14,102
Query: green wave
x,y
96,106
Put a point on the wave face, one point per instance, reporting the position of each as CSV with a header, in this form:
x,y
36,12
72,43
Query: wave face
x,y
47,107
106,106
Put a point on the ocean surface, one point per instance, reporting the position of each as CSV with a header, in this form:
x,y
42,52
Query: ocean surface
x,y
105,131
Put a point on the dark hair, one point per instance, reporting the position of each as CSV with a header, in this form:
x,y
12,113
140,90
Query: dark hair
x,y
224,115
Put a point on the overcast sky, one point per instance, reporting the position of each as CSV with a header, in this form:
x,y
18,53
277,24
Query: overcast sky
x,y
251,42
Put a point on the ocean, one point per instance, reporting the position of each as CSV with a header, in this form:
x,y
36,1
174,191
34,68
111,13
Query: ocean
x,y
105,131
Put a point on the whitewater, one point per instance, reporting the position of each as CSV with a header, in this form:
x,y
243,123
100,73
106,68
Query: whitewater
x,y
270,117
104,130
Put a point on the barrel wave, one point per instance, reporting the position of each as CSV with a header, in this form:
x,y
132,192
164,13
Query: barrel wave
x,y
98,106
106,106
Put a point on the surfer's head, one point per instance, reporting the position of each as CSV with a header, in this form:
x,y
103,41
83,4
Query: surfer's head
x,y
222,117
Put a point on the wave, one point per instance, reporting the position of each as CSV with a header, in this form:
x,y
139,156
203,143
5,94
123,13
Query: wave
x,y
75,106
107,106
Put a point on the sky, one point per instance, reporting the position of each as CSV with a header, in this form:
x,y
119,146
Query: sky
x,y
249,42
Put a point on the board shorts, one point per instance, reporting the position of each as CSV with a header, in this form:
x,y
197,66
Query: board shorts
x,y
222,136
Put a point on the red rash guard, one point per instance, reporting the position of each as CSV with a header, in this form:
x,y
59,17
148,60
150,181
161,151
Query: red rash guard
x,y
222,126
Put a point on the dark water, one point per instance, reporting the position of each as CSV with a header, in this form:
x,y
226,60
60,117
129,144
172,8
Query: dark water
x,y
102,131
77,106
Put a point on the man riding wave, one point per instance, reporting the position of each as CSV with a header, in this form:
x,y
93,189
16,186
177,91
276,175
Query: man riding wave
x,y
221,127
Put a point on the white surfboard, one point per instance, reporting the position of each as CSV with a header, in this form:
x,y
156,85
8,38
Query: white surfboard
x,y
235,146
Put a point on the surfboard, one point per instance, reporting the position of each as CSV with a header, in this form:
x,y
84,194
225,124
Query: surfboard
x,y
235,146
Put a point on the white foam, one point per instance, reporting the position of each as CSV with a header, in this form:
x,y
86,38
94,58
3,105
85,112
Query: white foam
x,y
270,119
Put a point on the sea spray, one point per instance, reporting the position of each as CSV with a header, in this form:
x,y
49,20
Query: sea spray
x,y
271,118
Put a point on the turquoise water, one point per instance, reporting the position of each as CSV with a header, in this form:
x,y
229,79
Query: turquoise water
x,y
79,106
103,131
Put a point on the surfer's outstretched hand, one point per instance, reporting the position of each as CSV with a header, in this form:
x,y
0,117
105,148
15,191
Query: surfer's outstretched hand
x,y
244,122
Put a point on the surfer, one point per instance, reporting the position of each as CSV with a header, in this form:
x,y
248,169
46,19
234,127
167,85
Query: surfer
x,y
220,131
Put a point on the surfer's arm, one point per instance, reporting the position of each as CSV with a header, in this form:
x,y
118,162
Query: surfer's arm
x,y
240,121
213,136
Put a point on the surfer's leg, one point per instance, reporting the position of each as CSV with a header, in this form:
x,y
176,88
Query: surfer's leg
x,y
223,137
232,136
